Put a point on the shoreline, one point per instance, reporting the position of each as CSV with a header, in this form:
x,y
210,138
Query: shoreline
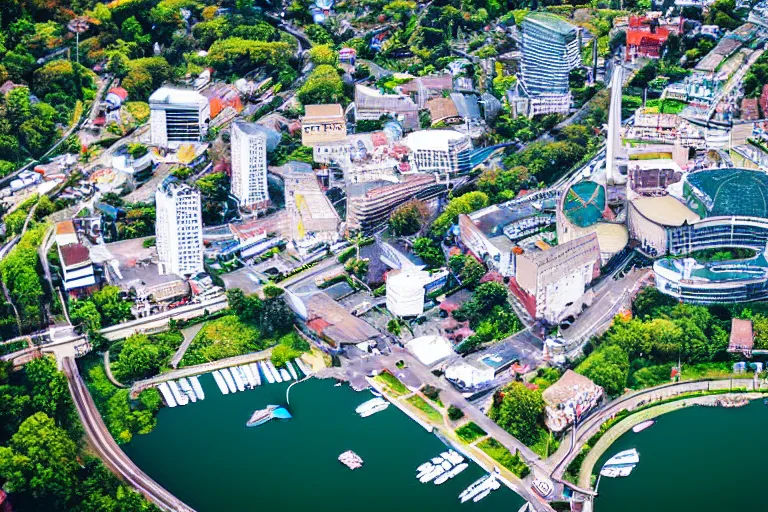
x,y
626,424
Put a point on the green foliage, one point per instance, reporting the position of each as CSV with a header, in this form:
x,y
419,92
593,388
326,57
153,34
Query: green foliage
x,y
503,185
470,432
503,456
323,85
113,308
145,76
607,367
454,413
20,275
323,54
520,411
408,218
464,204
289,347
238,55
430,412
756,77
467,269
317,34
225,337
85,314
48,388
548,160
429,251
141,357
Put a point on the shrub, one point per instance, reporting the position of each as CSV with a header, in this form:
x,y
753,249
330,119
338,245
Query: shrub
x,y
454,413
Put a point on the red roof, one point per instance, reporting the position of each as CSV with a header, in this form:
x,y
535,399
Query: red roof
x,y
74,254
741,334
636,37
119,91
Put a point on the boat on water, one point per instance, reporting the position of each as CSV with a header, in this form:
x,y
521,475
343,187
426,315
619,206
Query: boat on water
x,y
285,375
305,369
255,371
228,379
642,426
476,488
369,404
180,396
375,393
351,459
616,471
436,460
197,388
267,374
494,485
542,488
373,410
431,475
187,388
262,416
452,456
249,376
167,395
424,467
238,379
291,370
624,458
452,473
220,382
273,371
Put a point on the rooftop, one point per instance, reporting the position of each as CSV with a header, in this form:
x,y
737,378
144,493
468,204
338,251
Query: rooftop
x,y
323,111
716,271
570,386
180,97
433,139
741,333
665,210
550,21
725,192
584,203
74,254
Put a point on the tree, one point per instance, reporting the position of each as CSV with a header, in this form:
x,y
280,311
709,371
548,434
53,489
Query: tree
x,y
317,34
408,218
145,76
323,54
399,8
84,313
247,308
429,251
139,358
118,64
520,411
467,269
607,367
502,185
323,85
41,460
466,203
276,318
18,107
48,388
111,305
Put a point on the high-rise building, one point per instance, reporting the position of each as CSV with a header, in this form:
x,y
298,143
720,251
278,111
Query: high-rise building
x,y
249,165
178,228
550,51
440,151
177,116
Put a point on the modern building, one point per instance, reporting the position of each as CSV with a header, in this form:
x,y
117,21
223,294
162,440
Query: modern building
x,y
569,399
323,123
406,289
249,165
76,266
440,151
372,105
177,116
550,50
555,283
178,229
370,206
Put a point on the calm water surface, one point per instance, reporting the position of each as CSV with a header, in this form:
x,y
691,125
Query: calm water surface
x,y
204,454
699,459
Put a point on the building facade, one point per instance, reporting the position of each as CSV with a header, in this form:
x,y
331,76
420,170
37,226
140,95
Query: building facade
x,y
323,123
249,165
178,229
440,151
406,289
177,116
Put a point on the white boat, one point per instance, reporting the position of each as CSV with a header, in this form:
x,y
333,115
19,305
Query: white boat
x,y
642,426
243,376
285,375
452,457
616,471
256,375
452,473
292,370
267,374
624,458
181,398
273,371
305,369
249,376
167,395
424,472
436,472
238,379
373,410
447,465
476,488
424,467
220,382
198,389
185,386
369,404
228,379
494,485
437,460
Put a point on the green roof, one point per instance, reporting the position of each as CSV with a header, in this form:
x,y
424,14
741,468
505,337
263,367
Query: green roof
x,y
584,203
551,21
725,192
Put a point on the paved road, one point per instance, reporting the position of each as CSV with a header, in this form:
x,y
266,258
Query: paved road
x,y
189,334
108,450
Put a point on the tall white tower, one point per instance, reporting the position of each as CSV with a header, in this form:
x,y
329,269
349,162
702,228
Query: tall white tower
x,y
615,154
179,229
249,165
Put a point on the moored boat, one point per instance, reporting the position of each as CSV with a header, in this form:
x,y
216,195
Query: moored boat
x,y
197,388
476,488
167,395
492,487
267,374
273,371
424,467
624,458
187,389
434,473
220,382
452,473
292,370
228,379
642,426
285,375
178,394
369,404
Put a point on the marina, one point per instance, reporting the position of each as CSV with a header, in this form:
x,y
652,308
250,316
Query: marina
x,y
371,407
267,374
213,434
273,371
291,370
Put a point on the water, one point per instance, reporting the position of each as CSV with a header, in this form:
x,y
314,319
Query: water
x,y
204,454
697,459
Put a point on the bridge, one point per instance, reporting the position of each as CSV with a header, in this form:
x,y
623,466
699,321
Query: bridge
x,y
108,450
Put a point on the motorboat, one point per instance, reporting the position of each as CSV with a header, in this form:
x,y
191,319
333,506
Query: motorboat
x,y
264,415
477,488
446,465
616,471
370,404
436,472
424,467
642,426
373,410
437,460
542,487
494,485
452,457
452,473
624,458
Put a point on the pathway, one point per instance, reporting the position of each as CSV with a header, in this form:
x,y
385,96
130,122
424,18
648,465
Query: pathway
x,y
189,371
189,334
108,371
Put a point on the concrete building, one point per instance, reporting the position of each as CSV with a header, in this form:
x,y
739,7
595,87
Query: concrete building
x,y
249,165
323,123
406,289
76,266
570,398
177,116
439,151
555,283
370,104
178,229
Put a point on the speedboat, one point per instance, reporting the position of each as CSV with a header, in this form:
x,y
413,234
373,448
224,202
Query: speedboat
x,y
436,472
477,488
452,473
642,426
624,458
437,460
453,457
447,465
542,488
616,471
494,485
369,404
373,410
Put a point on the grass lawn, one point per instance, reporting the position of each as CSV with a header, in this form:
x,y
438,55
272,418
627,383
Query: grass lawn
x,y
546,445
424,407
710,371
500,454
221,338
392,383
470,432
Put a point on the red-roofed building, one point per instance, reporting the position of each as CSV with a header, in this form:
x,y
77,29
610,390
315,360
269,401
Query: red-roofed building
x,y
77,267
749,110
645,38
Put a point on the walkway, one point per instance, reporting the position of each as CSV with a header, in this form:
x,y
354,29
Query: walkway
x,y
108,450
189,371
108,371
189,334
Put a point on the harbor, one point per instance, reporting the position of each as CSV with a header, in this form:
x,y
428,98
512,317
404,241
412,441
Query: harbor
x,y
267,463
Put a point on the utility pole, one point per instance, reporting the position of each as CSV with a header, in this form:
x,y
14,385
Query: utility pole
x,y
78,26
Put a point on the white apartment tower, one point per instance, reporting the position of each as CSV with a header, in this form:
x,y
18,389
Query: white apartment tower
x,y
177,116
179,229
249,165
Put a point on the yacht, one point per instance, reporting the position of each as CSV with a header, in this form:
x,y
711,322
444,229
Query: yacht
x,y
452,473
624,458
476,488
492,487
369,404
374,409
642,426
453,457
187,388
616,471
431,475
264,415
437,460
424,467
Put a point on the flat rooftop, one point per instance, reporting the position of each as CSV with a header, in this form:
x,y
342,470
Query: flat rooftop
x,y
665,210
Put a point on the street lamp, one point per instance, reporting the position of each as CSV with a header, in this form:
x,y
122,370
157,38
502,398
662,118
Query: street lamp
x,y
78,26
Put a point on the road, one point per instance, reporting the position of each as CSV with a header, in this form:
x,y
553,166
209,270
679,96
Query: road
x,y
108,450
735,80
189,334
